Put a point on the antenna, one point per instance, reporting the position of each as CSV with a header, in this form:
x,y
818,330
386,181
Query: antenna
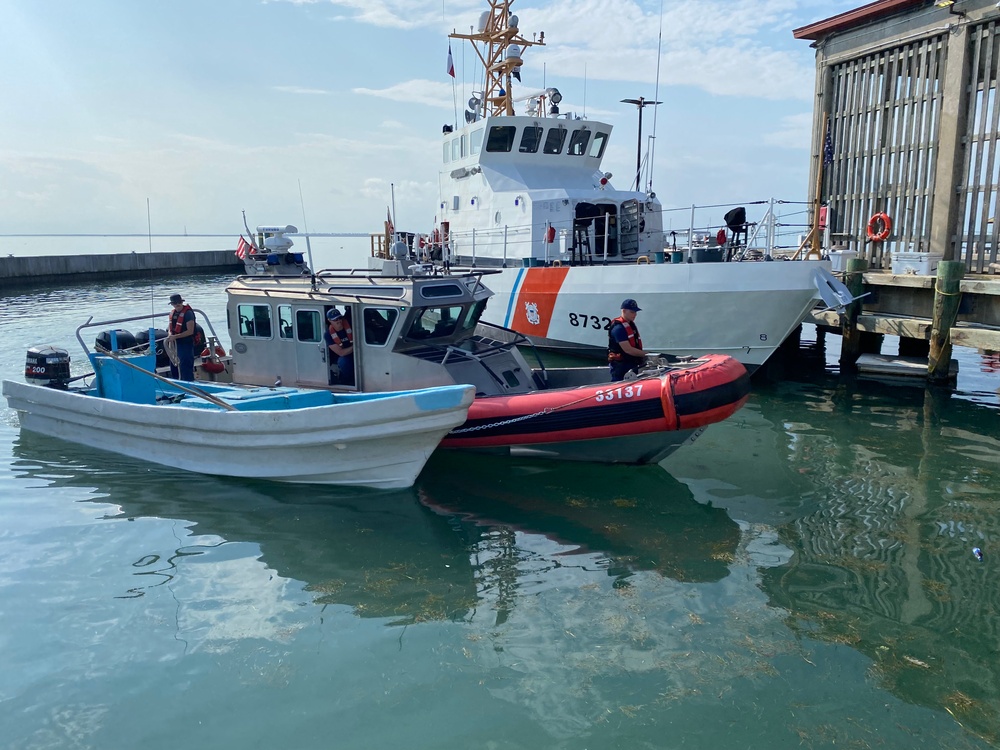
x,y
149,235
656,93
305,225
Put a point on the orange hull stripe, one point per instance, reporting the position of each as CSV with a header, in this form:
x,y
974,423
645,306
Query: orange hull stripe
x,y
540,288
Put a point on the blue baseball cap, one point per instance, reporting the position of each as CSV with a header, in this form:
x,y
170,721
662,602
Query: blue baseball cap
x,y
631,304
333,313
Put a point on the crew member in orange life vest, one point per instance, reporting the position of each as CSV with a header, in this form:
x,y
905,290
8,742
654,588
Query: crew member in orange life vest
x,y
340,341
624,345
181,330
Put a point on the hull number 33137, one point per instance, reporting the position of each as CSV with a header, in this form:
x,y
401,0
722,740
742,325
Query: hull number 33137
x,y
620,393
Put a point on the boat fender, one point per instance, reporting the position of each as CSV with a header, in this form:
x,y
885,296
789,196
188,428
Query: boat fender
x,y
720,238
667,401
213,366
879,227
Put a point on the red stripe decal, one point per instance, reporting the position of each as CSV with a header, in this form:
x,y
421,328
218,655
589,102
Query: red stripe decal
x,y
536,300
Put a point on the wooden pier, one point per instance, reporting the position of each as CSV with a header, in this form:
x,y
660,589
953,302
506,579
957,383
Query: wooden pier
x,y
929,314
905,176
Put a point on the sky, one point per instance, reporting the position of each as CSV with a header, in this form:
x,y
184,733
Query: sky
x,y
120,116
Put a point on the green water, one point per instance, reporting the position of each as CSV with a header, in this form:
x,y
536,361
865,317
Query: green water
x,y
802,576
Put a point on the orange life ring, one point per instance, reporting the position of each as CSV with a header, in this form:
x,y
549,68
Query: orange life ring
x,y
879,227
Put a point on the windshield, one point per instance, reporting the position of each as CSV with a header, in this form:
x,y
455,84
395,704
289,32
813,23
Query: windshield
x,y
430,323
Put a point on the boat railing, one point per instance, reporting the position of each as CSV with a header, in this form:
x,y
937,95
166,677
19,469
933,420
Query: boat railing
x,y
90,323
774,229
506,337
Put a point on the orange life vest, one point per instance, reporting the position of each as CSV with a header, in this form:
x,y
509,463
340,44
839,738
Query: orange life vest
x,y
615,353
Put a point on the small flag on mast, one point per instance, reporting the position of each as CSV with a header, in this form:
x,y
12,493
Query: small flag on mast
x,y
451,63
243,248
828,144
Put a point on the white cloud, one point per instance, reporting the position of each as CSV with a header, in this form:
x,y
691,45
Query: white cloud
x,y
299,90
398,14
794,131
419,91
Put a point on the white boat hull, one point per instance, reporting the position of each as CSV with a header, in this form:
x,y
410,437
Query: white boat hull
x,y
381,443
744,310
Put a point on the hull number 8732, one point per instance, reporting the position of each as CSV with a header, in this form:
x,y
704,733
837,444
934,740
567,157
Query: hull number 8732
x,y
578,320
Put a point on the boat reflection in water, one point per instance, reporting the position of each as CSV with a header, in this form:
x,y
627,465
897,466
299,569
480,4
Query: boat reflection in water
x,y
382,554
622,519
389,554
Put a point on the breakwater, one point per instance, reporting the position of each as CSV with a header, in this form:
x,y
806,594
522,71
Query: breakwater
x,y
20,271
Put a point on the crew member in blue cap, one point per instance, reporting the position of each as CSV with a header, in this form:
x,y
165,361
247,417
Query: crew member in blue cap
x,y
339,340
625,350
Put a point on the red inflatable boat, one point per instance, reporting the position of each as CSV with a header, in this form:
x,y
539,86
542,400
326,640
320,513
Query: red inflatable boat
x,y
632,421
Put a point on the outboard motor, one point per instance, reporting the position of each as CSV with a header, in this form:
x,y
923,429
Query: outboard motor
x,y
142,338
47,366
126,340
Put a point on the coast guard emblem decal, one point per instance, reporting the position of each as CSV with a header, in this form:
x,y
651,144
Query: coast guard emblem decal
x,y
531,313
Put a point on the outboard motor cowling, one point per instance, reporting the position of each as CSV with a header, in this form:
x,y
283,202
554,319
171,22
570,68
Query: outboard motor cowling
x,y
126,340
142,339
47,366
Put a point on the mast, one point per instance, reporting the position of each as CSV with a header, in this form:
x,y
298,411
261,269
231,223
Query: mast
x,y
503,45
639,103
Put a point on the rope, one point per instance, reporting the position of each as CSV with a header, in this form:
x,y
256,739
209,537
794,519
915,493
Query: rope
x,y
943,293
170,347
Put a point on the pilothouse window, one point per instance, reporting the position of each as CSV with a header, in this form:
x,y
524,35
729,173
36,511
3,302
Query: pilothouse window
x,y
255,321
441,290
308,326
476,140
438,322
285,321
501,138
578,143
531,138
379,322
554,140
597,147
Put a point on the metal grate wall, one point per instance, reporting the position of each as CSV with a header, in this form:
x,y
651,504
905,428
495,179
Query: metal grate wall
x,y
979,225
883,124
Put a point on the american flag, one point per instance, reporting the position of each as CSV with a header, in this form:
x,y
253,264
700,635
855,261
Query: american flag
x,y
243,248
451,63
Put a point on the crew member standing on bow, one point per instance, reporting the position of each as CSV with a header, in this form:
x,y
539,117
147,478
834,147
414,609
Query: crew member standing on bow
x,y
624,345
182,331
340,341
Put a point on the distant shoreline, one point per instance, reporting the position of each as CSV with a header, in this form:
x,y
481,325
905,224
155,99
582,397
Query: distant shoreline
x,y
48,269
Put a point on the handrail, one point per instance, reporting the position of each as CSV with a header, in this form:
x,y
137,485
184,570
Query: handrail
x,y
89,324
519,339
